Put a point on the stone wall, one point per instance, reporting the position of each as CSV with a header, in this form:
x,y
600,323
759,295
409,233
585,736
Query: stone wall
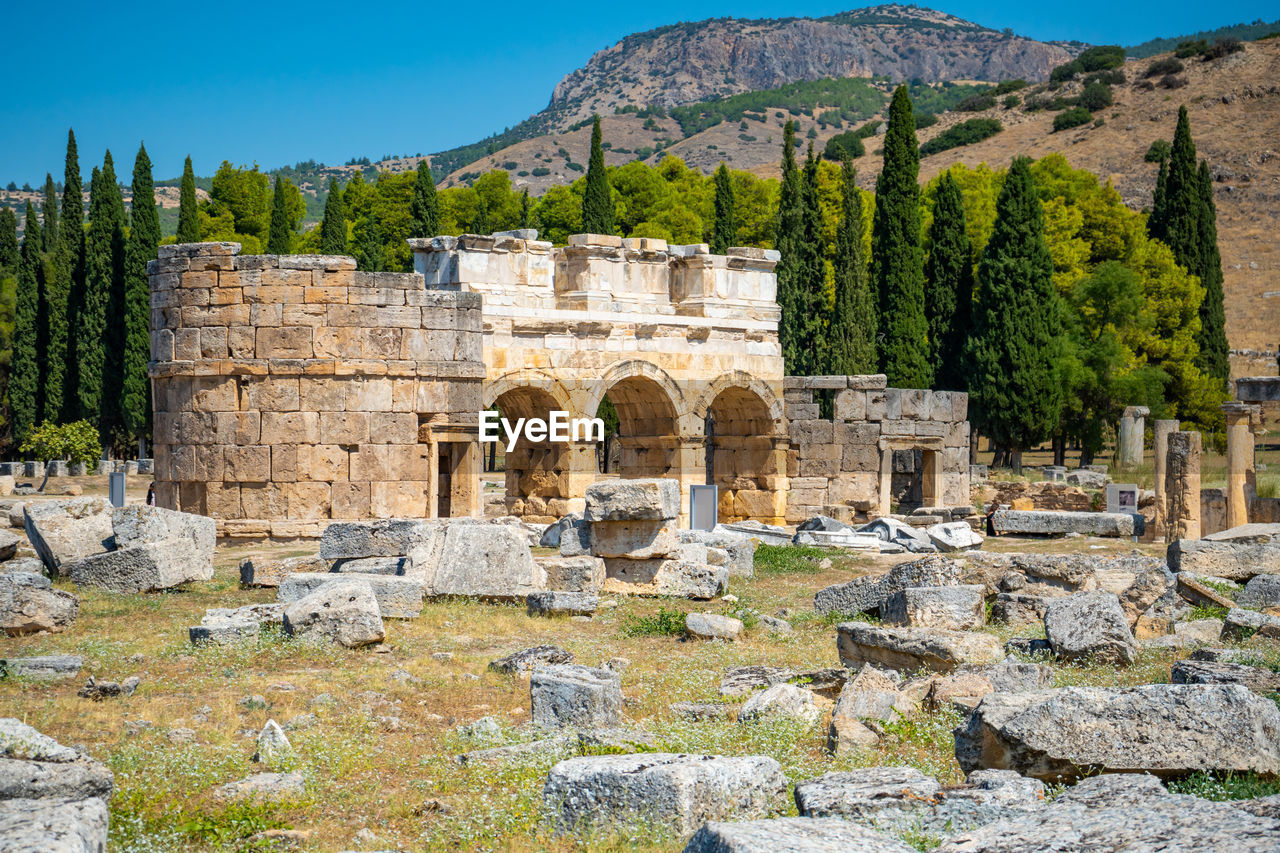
x,y
292,390
881,446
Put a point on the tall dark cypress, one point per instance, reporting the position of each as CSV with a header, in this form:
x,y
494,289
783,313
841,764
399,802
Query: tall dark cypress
x,y
526,210
369,252
95,338
1214,351
897,257
55,291
111,417
1014,351
725,231
424,207
480,223
24,369
333,227
188,215
144,240
790,245
948,304
280,235
597,200
9,250
49,227
73,238
851,339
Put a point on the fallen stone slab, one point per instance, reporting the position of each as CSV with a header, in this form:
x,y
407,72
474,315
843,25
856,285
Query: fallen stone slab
x,y
197,535
1016,609
745,680
954,536
67,531
870,696
29,604
9,543
780,700
227,625
1050,523
1165,729
901,799
510,753
739,548
769,534
1241,624
392,566
575,537
572,695
1256,678
633,500
964,690
34,565
35,766
1249,657
1261,591
147,567
584,573
897,532
99,690
848,539
1090,626
1196,591
635,540
398,597
712,626
478,560
659,577
263,786
42,667
557,603
550,537
793,835
676,791
271,573
394,537
909,649
1237,554
1122,812
824,523
345,613
958,608
53,825
867,594
523,661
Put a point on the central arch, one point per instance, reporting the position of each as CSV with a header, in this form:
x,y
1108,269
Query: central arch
x,y
537,477
745,443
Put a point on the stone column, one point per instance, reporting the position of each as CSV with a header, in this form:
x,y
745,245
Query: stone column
x,y
1132,436
1240,474
1182,486
1162,430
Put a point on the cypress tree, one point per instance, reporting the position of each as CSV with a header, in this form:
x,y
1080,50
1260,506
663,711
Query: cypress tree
x,y
949,287
49,230
73,238
597,200
111,411
526,213
898,259
24,370
188,216
790,231
480,224
725,231
852,336
1156,223
425,206
106,214
1214,357
54,332
333,228
369,252
281,232
1014,351
9,251
144,240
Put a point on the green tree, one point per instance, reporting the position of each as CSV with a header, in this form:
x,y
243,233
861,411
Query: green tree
x,y
144,241
897,257
480,225
948,302
49,226
94,336
852,336
597,200
526,212
73,442
54,336
9,250
800,269
333,228
1014,351
281,234
725,233
24,381
188,216
425,207
1214,350
73,238
369,252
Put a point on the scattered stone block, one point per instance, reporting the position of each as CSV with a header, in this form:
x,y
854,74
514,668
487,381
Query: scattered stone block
x,y
99,690
557,603
551,536
867,594
1166,729
659,577
1256,678
350,540
223,625
524,661
68,531
1241,624
584,573
780,700
1238,554
909,649
29,604
147,567
1016,609
1090,626
675,791
954,536
964,690
345,613
740,549
633,500
271,573
792,834
398,597
1261,591
34,766
481,560
711,626
273,743
1049,523
53,825
572,695
897,532
954,607
263,786
42,667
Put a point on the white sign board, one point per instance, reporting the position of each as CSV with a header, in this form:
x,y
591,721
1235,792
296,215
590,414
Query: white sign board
x,y
704,505
1122,497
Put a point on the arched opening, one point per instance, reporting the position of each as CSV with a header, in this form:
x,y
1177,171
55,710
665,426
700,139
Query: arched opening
x,y
647,443
741,454
536,473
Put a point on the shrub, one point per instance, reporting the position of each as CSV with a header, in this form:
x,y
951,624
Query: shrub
x,y
869,129
540,171
964,133
1011,101
1191,48
574,167
1221,48
1101,57
1158,152
664,623
1073,117
924,120
1007,86
844,144
523,173
975,104
1160,67
1113,77
1064,72
1145,85
510,165
1172,82
1095,96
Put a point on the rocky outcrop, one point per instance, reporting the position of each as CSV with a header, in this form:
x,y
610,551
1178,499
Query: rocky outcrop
x,y
868,594
909,649
572,695
1090,626
345,613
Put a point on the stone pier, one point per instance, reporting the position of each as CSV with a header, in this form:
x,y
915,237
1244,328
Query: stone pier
x,y
1241,482
1162,430
1132,437
1182,486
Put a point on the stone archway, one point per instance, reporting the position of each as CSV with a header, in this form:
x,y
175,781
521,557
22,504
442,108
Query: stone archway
x,y
745,443
538,474
648,431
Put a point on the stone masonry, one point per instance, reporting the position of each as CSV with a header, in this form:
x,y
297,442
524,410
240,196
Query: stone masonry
x,y
879,447
293,390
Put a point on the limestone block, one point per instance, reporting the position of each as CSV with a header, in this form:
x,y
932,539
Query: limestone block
x,y
633,500
573,695
640,540
952,607
346,612
399,498
291,428
307,500
851,405
349,500
392,428
572,574
344,427
247,464
397,597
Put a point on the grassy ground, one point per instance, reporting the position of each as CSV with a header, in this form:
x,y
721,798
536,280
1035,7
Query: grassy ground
x,y
378,752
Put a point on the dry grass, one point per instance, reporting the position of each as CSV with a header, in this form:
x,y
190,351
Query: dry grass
x,y
379,757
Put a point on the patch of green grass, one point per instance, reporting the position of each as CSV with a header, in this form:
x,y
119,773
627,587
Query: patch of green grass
x,y
664,623
1225,786
1208,611
788,559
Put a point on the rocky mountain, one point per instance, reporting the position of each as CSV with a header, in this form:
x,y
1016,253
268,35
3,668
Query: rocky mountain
x,y
690,62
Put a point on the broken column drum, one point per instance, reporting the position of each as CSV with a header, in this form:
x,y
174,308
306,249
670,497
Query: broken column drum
x,y
291,390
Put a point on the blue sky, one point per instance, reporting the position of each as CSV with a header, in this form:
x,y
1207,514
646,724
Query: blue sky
x,y
274,83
